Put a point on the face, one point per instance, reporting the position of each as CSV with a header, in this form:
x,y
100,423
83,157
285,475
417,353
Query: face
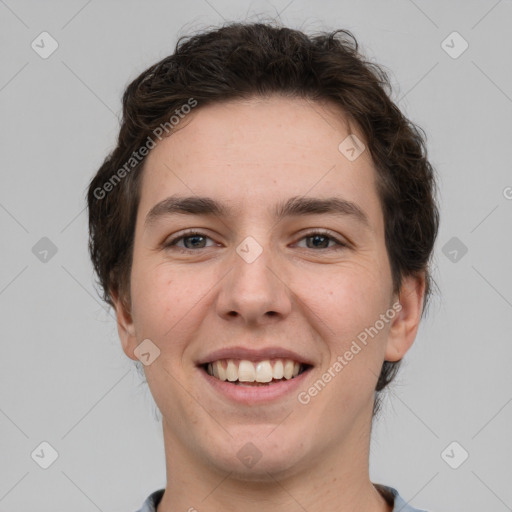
x,y
242,283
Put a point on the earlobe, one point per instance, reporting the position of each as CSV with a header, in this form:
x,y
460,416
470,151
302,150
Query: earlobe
x,y
406,322
125,325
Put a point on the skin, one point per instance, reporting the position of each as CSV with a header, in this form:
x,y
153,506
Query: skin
x,y
251,155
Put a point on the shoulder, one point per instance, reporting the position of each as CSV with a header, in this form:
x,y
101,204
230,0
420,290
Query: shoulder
x,y
394,498
152,501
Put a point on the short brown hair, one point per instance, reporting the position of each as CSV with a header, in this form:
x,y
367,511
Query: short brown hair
x,y
242,60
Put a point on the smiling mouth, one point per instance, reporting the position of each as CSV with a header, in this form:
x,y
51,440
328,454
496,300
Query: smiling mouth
x,y
243,372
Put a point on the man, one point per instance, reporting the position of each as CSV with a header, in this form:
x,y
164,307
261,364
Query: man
x,y
264,229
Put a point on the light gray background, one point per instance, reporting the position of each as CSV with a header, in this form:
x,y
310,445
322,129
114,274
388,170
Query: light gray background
x,y
64,378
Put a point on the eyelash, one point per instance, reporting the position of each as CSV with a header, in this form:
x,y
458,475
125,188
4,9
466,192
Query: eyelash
x,y
191,233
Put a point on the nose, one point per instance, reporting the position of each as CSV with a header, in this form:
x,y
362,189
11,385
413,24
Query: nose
x,y
254,292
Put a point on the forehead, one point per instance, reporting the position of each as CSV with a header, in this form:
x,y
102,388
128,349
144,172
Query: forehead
x,y
255,153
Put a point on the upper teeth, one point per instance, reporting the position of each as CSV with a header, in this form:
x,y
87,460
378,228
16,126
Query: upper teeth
x,y
247,371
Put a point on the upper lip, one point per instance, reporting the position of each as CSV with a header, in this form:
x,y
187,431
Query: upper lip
x,y
251,354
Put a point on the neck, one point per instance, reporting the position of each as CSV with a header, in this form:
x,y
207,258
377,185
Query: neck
x,y
336,479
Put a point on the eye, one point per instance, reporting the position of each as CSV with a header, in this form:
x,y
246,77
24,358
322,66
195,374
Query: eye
x,y
319,239
196,240
191,239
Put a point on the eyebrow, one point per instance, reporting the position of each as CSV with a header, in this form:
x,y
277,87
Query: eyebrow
x,y
295,206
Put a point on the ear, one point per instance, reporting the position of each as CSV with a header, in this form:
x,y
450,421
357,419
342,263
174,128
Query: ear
x,y
125,326
407,320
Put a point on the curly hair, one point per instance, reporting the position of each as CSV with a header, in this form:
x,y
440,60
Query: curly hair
x,y
242,60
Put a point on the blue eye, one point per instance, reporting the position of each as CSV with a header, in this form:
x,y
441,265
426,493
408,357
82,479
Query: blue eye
x,y
195,240
319,235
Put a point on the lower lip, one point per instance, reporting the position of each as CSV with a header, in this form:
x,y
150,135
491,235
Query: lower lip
x,y
255,394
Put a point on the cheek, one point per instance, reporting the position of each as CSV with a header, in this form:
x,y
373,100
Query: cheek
x,y
161,299
170,303
352,293
349,304
356,350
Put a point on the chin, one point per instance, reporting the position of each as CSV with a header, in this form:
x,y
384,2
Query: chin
x,y
258,458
